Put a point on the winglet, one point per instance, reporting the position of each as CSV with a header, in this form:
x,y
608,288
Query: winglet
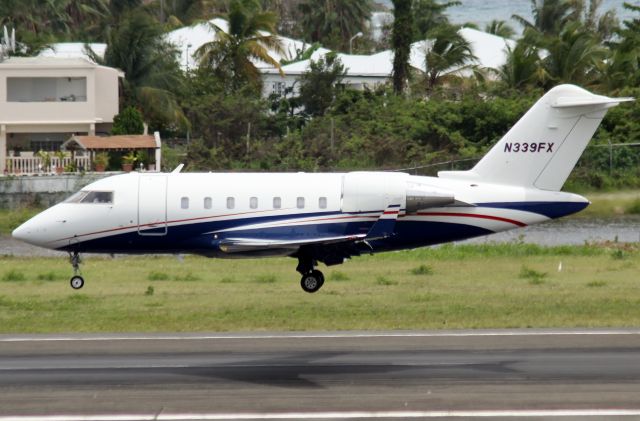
x,y
385,225
177,169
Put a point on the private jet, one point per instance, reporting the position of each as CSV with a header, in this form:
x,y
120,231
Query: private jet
x,y
331,217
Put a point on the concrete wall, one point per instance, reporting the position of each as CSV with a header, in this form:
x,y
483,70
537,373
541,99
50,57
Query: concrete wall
x,y
44,191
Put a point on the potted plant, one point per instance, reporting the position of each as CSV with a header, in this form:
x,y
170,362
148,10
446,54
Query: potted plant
x,y
101,161
46,160
128,160
60,155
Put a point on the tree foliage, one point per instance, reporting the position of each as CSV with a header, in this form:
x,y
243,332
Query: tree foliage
x,y
402,37
250,37
318,86
129,121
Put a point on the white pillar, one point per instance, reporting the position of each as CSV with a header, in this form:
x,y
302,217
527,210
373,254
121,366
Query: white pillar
x,y
92,129
156,136
3,148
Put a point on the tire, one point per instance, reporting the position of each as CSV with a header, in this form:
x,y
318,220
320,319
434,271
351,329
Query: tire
x,y
76,282
312,281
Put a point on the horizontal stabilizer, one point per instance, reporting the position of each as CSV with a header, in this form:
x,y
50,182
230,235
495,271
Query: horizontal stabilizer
x,y
568,102
386,224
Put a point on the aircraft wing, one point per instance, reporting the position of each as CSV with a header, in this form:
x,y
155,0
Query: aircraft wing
x,y
235,245
382,228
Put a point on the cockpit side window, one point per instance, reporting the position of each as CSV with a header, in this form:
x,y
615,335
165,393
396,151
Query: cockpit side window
x,y
85,196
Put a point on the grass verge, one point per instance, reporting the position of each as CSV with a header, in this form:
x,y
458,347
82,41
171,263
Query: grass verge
x,y
470,286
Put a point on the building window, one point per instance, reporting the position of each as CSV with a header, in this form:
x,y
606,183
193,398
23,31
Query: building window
x,y
300,202
46,89
207,203
278,88
253,203
184,203
231,203
322,203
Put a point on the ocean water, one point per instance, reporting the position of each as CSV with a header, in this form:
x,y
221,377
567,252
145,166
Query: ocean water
x,y
481,12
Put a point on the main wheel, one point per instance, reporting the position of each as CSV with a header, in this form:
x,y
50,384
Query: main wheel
x,y
312,281
76,282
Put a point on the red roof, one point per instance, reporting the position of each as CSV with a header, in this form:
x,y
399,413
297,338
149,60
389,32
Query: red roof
x,y
113,142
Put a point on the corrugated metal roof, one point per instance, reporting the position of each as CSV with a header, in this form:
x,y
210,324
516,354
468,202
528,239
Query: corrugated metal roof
x,y
113,142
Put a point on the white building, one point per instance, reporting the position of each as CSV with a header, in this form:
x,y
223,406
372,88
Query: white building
x,y
44,101
373,70
362,72
190,38
74,50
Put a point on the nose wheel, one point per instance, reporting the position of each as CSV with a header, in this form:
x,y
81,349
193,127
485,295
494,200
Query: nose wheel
x,y
76,280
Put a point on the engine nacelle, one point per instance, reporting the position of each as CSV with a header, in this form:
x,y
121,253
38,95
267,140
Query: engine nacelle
x,y
373,191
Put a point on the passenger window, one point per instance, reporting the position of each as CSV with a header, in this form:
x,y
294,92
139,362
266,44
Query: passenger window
x,y
207,203
184,203
277,203
231,203
300,203
253,203
322,203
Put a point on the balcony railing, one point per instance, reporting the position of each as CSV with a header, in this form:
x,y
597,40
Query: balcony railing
x,y
35,165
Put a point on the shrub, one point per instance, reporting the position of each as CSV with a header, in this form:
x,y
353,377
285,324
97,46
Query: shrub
x,y
13,276
422,270
534,277
157,276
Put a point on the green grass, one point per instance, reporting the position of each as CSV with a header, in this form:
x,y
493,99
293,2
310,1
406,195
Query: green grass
x,y
11,219
470,286
609,204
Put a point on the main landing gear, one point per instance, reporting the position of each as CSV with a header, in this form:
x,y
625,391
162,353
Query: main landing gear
x,y
312,279
76,280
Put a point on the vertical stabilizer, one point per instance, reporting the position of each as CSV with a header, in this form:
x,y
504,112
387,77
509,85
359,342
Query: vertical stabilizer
x,y
542,148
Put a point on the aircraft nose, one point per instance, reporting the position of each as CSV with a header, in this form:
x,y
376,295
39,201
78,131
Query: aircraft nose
x,y
23,232
32,232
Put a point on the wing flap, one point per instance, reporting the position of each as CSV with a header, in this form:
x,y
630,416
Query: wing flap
x,y
237,245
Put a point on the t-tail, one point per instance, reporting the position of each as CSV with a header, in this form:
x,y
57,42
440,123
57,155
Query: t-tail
x,y
542,148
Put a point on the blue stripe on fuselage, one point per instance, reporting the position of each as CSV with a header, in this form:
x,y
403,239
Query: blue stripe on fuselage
x,y
191,237
549,209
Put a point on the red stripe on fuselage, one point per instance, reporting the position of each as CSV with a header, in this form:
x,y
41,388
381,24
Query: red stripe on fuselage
x,y
473,215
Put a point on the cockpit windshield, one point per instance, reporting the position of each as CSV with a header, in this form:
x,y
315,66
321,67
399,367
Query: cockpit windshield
x,y
85,196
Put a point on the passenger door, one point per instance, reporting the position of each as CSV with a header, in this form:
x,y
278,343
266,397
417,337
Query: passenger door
x,y
152,204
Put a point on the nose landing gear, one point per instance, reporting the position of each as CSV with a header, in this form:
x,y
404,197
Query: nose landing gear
x,y
76,280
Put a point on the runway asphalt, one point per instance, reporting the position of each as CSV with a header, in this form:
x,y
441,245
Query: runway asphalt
x,y
349,375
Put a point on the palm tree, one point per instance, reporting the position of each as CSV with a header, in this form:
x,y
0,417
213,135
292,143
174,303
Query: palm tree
x,y
523,66
152,74
448,52
181,13
604,25
250,37
429,15
549,16
574,56
85,17
401,40
622,66
334,22
500,28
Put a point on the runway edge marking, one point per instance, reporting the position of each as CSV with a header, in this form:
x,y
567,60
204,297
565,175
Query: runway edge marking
x,y
331,335
335,415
